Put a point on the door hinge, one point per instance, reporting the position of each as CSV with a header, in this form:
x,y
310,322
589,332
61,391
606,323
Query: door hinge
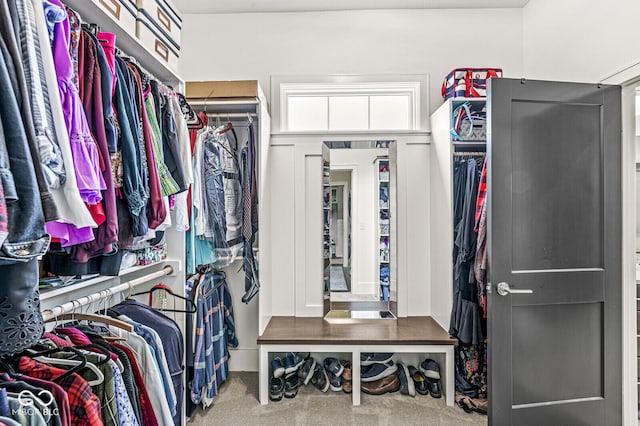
x,y
488,288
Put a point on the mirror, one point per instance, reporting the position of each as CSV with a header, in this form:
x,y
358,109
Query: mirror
x,y
358,235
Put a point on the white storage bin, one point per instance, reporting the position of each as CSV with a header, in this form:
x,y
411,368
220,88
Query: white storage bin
x,y
124,12
155,41
162,14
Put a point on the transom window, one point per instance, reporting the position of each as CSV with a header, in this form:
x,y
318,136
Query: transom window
x,y
351,105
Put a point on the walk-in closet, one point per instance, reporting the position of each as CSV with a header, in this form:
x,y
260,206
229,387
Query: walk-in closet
x,y
318,213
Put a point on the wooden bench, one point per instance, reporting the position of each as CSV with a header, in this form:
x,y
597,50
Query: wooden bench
x,y
412,335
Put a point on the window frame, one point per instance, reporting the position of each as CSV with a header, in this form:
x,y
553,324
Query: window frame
x,y
415,86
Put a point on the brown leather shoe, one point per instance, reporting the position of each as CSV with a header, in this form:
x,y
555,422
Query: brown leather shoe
x,y
346,386
346,374
386,384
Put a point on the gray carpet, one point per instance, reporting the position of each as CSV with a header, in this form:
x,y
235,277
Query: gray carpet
x,y
237,404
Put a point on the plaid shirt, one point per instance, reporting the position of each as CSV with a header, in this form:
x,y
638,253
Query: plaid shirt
x,y
85,406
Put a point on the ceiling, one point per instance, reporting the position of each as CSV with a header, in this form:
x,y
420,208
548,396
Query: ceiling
x,y
262,6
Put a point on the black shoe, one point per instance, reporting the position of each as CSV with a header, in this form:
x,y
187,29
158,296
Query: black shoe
x,y
320,379
419,380
291,384
277,367
367,358
434,388
333,366
430,369
305,372
407,387
276,388
377,371
335,382
292,361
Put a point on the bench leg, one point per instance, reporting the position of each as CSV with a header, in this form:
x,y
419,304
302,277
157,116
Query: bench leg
x,y
355,377
263,376
450,388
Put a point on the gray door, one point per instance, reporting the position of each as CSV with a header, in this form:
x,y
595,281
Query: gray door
x,y
555,229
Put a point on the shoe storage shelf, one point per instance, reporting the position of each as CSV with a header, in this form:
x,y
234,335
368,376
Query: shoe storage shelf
x,y
411,338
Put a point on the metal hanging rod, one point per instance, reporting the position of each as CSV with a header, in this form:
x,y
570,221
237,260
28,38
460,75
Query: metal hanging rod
x,y
50,314
469,154
231,114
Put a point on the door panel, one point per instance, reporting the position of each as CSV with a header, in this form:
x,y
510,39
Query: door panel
x,y
556,174
554,222
560,352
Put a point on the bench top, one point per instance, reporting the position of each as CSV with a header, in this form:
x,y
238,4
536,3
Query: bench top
x,y
315,330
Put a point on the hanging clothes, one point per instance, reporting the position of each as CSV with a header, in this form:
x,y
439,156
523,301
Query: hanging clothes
x,y
14,63
169,342
465,318
468,315
213,329
480,263
122,138
248,162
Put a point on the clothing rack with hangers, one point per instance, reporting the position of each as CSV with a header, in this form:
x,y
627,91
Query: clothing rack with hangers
x,y
461,154
242,102
231,115
104,294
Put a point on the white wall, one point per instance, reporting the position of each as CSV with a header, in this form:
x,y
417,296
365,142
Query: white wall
x,y
579,40
256,46
364,205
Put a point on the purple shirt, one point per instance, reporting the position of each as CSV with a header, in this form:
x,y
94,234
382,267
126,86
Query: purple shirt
x,y
83,148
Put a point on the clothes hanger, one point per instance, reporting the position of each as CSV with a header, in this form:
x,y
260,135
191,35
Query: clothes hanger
x,y
72,362
97,318
226,127
93,28
168,289
81,363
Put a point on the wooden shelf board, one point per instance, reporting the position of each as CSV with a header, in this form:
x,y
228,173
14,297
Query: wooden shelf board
x,y
315,330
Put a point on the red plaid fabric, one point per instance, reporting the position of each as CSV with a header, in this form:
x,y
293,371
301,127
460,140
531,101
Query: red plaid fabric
x,y
85,406
482,193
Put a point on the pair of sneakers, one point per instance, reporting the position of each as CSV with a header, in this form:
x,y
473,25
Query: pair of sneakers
x,y
285,376
426,378
332,374
335,370
283,367
431,371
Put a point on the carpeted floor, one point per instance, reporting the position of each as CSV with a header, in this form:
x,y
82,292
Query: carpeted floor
x,y
237,405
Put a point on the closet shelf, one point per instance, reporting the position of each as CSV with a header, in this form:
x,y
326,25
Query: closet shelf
x,y
47,294
90,299
126,42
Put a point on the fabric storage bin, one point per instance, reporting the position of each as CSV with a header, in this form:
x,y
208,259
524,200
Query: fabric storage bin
x,y
468,82
124,12
162,14
154,40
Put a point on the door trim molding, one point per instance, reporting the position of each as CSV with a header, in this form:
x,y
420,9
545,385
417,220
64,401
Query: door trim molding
x,y
629,322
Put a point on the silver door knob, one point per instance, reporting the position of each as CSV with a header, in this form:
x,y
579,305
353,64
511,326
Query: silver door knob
x,y
505,288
